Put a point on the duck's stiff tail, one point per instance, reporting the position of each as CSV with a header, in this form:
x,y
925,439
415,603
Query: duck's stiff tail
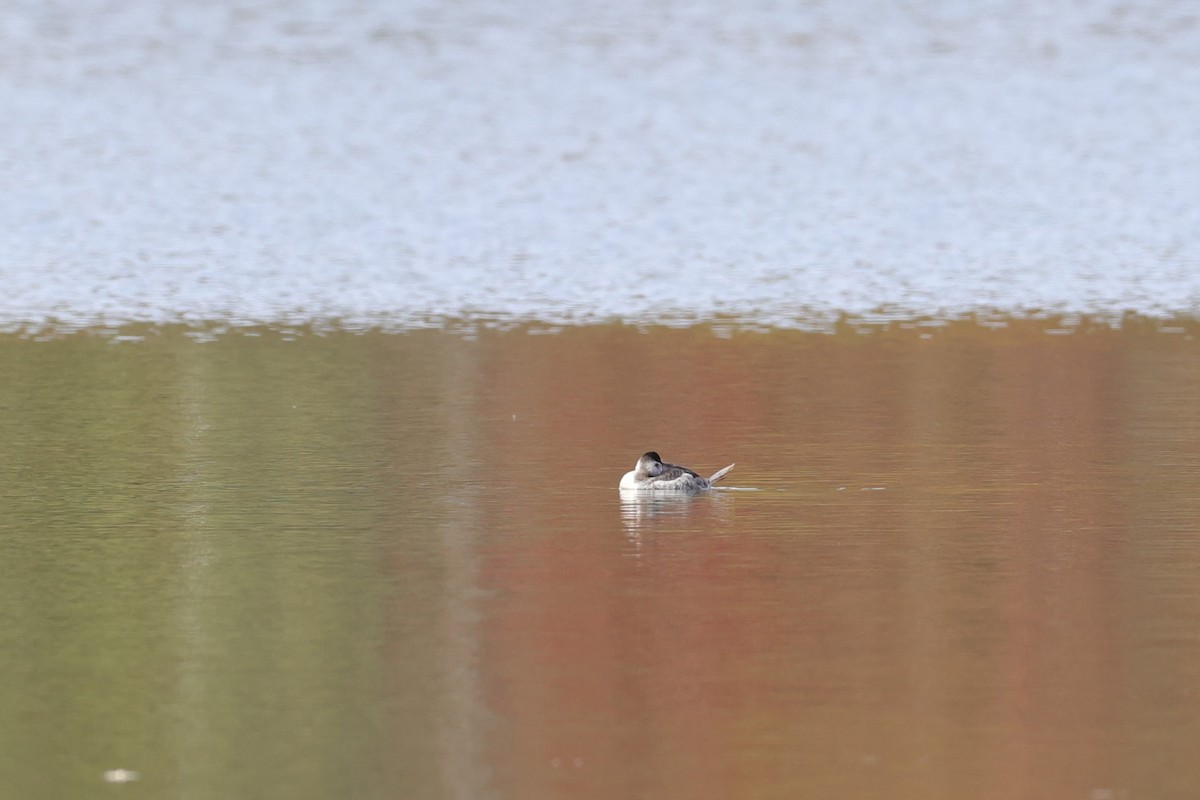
x,y
716,476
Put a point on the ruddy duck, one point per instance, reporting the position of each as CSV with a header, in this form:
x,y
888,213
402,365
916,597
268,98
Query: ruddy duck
x,y
651,473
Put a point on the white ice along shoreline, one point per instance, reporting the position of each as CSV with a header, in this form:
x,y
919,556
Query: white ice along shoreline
x,y
394,165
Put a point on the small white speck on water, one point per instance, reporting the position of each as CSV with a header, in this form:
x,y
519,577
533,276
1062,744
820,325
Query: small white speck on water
x,y
120,776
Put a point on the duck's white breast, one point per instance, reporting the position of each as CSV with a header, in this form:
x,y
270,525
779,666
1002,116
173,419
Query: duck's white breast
x,y
682,483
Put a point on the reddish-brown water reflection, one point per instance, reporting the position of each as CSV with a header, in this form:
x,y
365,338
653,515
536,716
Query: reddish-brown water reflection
x,y
970,570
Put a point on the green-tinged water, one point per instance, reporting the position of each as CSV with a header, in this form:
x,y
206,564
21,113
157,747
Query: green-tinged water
x,y
382,566
218,567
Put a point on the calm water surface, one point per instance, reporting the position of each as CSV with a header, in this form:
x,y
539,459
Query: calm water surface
x,y
293,565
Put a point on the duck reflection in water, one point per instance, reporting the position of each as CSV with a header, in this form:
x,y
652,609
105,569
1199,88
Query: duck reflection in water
x,y
639,508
